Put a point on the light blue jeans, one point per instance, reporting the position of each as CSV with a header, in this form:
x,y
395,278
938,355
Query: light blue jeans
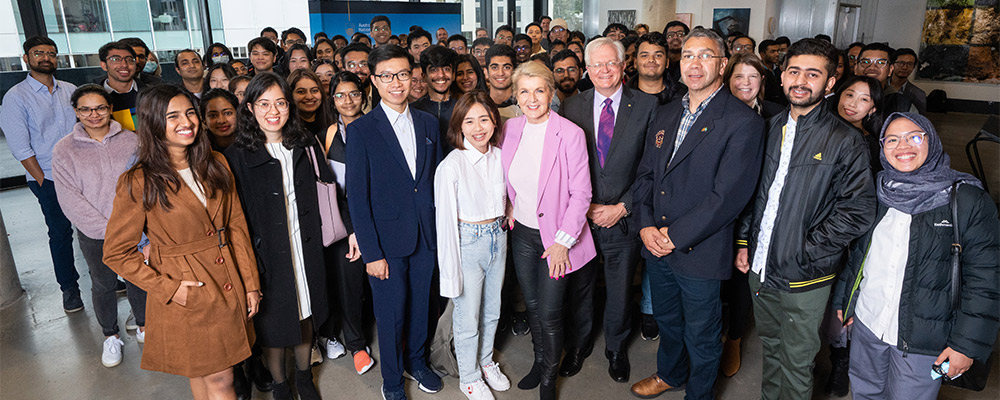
x,y
477,310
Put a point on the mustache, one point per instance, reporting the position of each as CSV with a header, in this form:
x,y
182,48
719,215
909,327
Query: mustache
x,y
800,87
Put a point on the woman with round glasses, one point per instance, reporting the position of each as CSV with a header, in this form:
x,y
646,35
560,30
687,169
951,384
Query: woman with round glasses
x,y
272,163
897,291
85,168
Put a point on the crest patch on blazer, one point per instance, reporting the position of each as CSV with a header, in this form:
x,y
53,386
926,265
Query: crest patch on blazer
x,y
659,138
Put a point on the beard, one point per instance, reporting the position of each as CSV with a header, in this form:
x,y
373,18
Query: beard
x,y
567,85
808,101
46,68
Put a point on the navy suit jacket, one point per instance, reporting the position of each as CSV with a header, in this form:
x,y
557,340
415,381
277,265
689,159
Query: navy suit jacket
x,y
702,191
392,212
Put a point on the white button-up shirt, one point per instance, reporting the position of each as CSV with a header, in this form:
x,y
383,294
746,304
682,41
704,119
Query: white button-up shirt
x,y
468,186
773,196
883,270
402,125
616,100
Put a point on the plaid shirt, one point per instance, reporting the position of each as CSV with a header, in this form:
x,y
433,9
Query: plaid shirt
x,y
688,118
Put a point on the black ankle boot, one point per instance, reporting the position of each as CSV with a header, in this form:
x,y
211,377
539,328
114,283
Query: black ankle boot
x,y
305,386
547,390
281,391
241,384
839,383
531,380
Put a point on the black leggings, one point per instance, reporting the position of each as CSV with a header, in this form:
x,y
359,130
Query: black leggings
x,y
346,282
543,297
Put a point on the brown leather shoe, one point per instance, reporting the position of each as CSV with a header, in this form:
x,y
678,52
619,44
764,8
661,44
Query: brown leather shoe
x,y
651,387
731,358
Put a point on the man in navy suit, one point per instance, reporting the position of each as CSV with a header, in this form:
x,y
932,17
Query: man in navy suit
x,y
392,153
699,170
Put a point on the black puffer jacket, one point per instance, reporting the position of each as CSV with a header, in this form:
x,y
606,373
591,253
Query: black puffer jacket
x,y
927,323
828,201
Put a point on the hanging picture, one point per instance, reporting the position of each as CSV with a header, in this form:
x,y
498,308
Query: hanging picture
x,y
960,41
731,20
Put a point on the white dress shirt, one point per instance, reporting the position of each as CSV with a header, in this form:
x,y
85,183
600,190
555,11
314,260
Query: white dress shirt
x,y
402,125
468,186
616,100
883,270
284,157
773,197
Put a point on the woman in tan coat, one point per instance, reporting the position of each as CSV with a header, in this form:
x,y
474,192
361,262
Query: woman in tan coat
x,y
201,276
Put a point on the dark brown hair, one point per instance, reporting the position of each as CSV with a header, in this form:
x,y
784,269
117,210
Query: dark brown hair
x,y
462,107
154,160
324,115
749,59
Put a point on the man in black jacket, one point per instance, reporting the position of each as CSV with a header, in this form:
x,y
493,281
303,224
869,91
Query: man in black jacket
x,y
438,66
814,197
615,120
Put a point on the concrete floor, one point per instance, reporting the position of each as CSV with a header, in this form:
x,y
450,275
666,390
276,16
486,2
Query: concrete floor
x,y
47,354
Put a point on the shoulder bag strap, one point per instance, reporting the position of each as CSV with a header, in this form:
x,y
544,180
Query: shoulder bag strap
x,y
956,251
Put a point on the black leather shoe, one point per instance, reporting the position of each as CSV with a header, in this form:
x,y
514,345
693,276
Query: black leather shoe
x,y
573,361
241,384
618,366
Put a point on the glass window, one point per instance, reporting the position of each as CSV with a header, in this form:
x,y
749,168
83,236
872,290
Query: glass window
x,y
518,13
571,11
215,17
130,18
170,24
86,24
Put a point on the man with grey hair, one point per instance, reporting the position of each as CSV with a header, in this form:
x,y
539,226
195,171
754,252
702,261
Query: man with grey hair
x,y
691,185
615,120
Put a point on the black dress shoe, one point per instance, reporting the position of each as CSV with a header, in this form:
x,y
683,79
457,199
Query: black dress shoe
x,y
573,361
241,384
618,366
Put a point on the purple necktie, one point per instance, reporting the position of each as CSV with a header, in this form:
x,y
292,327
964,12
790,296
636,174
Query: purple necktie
x,y
605,129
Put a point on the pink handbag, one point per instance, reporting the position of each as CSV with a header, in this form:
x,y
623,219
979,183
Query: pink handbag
x,y
329,209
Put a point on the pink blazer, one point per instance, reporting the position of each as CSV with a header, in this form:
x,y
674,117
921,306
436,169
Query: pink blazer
x,y
564,190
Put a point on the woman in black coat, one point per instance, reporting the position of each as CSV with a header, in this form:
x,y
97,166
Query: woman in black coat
x,y
896,291
276,182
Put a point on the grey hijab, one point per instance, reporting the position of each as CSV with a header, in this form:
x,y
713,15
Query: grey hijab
x,y
925,188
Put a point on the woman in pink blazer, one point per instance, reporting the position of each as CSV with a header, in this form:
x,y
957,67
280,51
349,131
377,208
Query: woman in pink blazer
x,y
544,158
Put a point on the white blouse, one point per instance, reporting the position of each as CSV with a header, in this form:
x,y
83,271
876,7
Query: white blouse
x,y
527,162
468,186
284,157
884,267
188,177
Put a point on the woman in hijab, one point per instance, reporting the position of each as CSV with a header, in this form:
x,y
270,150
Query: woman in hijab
x,y
896,289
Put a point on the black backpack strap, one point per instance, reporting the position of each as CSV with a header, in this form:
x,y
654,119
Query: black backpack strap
x,y
956,251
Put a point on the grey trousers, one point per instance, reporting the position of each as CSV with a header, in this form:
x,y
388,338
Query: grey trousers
x,y
880,371
102,288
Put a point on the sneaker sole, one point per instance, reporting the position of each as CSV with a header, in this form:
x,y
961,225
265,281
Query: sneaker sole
x,y
421,386
73,310
111,365
371,362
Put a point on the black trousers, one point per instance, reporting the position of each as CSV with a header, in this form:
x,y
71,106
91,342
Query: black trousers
x,y
619,252
736,292
543,296
346,288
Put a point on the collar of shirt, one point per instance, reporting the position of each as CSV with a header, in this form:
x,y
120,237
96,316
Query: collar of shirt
x,y
686,101
37,85
393,116
108,87
474,156
80,133
616,98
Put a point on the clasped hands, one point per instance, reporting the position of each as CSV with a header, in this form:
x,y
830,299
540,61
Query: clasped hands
x,y
657,240
606,216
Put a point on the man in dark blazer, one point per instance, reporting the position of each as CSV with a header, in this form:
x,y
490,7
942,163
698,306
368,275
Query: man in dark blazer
x,y
615,120
698,171
392,153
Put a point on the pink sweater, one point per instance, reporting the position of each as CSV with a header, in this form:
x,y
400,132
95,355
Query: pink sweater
x,y
86,172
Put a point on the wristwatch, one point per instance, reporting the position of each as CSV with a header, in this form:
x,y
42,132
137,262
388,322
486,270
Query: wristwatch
x,y
628,210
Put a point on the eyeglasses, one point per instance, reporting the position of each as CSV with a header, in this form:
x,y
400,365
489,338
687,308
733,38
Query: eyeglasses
x,y
40,54
906,64
743,47
867,62
672,35
294,41
479,52
609,64
852,58
357,64
701,57
100,110
522,48
354,94
458,49
565,70
380,29
119,59
386,77
913,139
265,105
558,30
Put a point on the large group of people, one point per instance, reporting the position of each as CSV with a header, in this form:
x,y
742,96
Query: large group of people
x,y
499,185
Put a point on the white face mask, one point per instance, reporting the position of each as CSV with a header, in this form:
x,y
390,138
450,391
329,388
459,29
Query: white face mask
x,y
150,67
223,59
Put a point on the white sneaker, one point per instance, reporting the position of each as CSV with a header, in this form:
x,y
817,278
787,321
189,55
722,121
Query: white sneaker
x,y
140,335
334,349
130,324
495,378
316,357
477,391
112,355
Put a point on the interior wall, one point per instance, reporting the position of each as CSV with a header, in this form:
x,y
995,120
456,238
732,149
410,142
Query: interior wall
x,y
760,12
242,19
655,13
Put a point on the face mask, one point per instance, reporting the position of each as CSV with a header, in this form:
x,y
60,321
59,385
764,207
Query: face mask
x,y
150,67
223,59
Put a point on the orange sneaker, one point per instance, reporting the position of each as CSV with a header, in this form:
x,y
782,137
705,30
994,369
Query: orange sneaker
x,y
362,361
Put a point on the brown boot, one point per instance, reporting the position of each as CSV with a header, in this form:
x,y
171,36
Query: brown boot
x,y
651,387
731,357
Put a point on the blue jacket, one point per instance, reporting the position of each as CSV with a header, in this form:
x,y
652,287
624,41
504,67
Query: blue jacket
x,y
390,209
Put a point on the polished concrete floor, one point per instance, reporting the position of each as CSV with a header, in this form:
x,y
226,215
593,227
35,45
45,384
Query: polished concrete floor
x,y
47,354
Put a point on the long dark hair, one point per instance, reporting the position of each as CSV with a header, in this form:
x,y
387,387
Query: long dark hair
x,y
250,136
286,60
480,76
154,158
345,77
324,117
872,123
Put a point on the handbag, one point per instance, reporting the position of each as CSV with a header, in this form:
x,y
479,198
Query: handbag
x,y
977,375
329,210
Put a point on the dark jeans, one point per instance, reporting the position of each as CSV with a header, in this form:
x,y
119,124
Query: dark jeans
x,y
60,235
543,296
401,303
689,314
102,288
620,253
736,292
346,283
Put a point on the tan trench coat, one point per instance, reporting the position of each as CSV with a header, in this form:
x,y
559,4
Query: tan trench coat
x,y
188,242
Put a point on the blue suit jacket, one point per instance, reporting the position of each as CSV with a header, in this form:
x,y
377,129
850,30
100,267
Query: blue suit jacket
x,y
706,185
390,209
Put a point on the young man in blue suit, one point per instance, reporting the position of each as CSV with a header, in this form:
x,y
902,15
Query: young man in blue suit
x,y
392,153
